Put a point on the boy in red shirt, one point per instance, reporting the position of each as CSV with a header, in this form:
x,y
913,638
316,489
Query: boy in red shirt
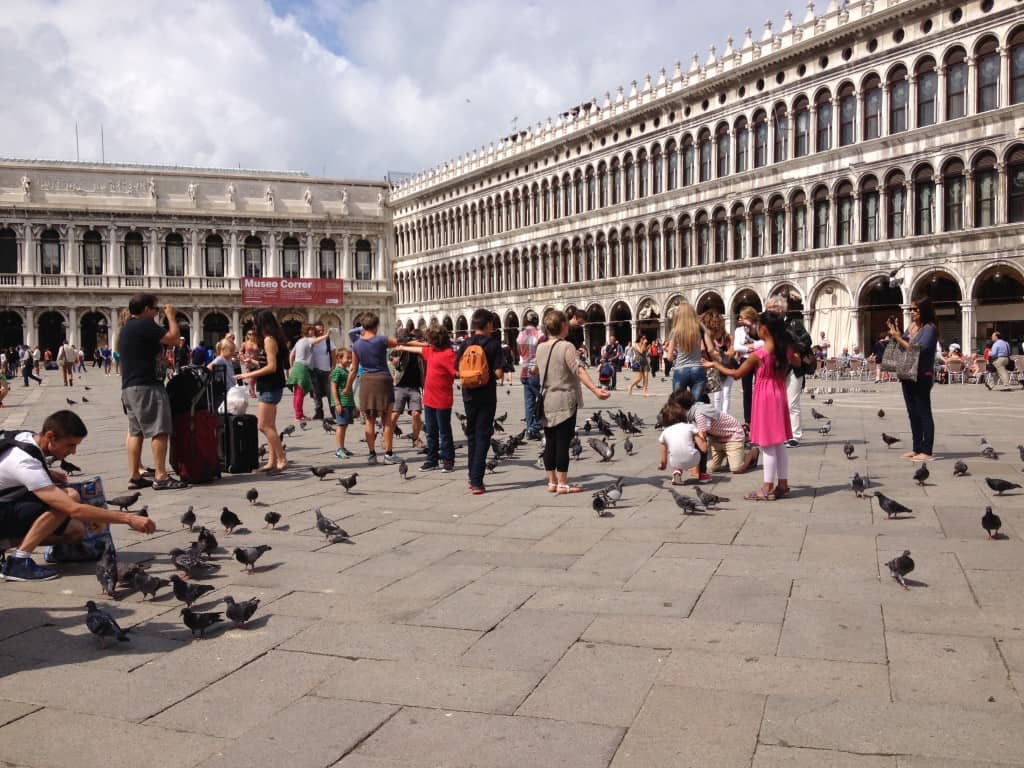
x,y
437,396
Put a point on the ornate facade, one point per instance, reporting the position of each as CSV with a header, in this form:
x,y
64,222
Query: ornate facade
x,y
814,161
77,240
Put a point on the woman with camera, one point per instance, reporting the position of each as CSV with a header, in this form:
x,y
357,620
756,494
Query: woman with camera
x,y
924,334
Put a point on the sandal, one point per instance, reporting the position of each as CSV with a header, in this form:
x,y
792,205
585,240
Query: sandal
x,y
140,483
262,470
781,493
760,495
552,487
168,484
570,488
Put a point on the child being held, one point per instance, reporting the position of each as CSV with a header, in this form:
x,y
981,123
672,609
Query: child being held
x,y
344,405
681,444
724,434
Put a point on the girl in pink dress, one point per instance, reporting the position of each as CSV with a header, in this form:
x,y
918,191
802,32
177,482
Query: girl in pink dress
x,y
769,422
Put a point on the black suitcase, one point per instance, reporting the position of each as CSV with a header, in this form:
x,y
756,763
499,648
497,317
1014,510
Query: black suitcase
x,y
241,444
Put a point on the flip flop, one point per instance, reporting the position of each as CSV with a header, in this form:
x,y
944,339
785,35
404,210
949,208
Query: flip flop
x,y
571,488
759,495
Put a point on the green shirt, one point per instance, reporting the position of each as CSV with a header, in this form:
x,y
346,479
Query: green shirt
x,y
340,377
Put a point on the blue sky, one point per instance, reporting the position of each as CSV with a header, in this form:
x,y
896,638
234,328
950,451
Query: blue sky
x,y
349,89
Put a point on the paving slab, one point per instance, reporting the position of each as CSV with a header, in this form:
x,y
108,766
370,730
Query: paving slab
x,y
614,559
787,757
475,606
671,572
527,640
12,710
650,632
846,631
364,640
735,598
599,601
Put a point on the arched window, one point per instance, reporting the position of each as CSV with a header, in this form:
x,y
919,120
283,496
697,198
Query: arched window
x,y
591,189
847,115
253,256
688,161
704,151
291,264
364,260
823,128
953,187
956,84
927,91
741,134
643,172
213,256
602,185
985,180
777,231
869,230
757,228
802,126
703,238
844,214
1016,45
987,67
722,141
670,245
328,259
739,232
781,122
896,205
641,249
1015,185
799,208
627,252
556,197
134,255
721,236
92,253
51,251
566,195
760,139
872,107
629,169
899,96
602,256
174,255
654,249
546,197
673,165
577,186
613,254
616,182
924,201
821,216
657,170
685,241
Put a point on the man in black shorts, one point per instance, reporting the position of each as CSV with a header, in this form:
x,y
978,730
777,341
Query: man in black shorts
x,y
34,510
143,395
409,391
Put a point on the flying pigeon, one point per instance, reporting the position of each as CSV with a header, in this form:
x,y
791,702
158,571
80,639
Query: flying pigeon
x,y
272,519
999,486
990,522
921,474
329,528
348,483
103,625
248,556
229,520
891,507
710,500
321,472
188,518
604,450
251,495
241,612
889,440
123,502
848,450
900,566
189,593
200,622
960,469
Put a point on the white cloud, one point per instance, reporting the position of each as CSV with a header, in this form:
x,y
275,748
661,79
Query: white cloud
x,y
355,89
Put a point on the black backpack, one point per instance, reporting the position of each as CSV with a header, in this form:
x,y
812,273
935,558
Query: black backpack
x,y
800,342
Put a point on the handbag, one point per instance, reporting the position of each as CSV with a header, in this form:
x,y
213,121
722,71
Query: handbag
x,y
714,378
902,362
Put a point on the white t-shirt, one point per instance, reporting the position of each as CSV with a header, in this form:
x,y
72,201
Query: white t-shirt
x,y
18,469
304,351
682,451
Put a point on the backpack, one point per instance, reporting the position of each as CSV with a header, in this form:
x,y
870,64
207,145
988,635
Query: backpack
x,y
7,442
800,341
605,372
474,372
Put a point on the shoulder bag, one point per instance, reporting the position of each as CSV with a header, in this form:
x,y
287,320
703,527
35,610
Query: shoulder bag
x,y
902,362
538,407
713,376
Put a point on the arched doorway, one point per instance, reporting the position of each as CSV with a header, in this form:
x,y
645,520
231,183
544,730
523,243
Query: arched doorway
x,y
461,324
942,288
52,331
648,320
447,323
998,295
410,326
291,323
879,301
215,328
93,328
622,322
12,330
671,307
598,331
710,300
744,298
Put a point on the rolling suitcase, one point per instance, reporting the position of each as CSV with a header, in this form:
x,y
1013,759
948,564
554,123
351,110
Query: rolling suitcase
x,y
196,443
241,444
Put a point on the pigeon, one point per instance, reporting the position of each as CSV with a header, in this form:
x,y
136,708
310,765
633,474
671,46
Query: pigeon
x,y
960,469
604,450
68,467
614,491
988,451
148,585
240,612
248,556
816,415
321,472
200,622
685,503
403,469
87,388
189,593
628,445
303,426
881,413
891,507
348,483
328,426
251,495
497,426
921,474
576,449
501,419
710,500
85,399
106,572
188,518
144,512
262,451
889,440
587,427
123,502
858,485
103,625
600,505
826,429
828,402
70,401
190,561
1020,450
207,541
999,486
287,431
491,464
328,527
990,522
272,519
229,520
900,566
848,450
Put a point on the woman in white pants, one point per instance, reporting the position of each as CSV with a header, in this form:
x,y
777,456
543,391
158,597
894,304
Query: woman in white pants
x,y
719,344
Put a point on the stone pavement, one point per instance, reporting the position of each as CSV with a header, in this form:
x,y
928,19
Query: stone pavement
x,y
517,628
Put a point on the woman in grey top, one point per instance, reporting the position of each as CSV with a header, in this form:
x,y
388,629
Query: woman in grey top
x,y
684,349
562,379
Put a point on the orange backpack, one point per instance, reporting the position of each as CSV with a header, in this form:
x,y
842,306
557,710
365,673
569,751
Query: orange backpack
x,y
474,372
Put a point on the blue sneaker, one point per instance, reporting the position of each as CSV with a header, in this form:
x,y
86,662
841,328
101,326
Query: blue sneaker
x,y
343,453
25,569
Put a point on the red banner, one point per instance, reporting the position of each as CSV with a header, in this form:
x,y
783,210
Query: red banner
x,y
291,291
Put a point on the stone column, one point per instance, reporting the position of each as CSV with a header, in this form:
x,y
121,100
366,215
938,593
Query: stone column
x,y
153,268
970,106
906,307
384,272
233,265
883,213
911,102
940,94
857,224
272,267
113,265
939,217
113,327
26,262
883,118
1004,76
968,201
194,267
30,330
309,267
730,239
197,327
769,154
236,325
72,329
858,120
71,255
855,329
968,326
999,201
344,268
748,236
909,209
790,136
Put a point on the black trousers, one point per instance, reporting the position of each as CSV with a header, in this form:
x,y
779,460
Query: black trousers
x,y
556,445
321,389
748,395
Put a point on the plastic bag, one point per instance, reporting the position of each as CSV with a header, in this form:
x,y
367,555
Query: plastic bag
x,y
238,400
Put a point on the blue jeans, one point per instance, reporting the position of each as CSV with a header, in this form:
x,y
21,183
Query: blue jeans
x,y
531,393
479,428
918,397
693,377
438,424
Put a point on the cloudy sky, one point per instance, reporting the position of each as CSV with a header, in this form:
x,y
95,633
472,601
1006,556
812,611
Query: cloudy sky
x,y
336,87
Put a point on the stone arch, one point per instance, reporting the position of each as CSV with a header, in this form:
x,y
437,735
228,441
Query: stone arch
x,y
461,324
12,328
215,327
944,289
710,300
744,297
510,328
596,323
648,319
52,329
877,300
93,332
997,292
620,319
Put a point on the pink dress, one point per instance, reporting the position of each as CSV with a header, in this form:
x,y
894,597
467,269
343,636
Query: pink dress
x,y
769,416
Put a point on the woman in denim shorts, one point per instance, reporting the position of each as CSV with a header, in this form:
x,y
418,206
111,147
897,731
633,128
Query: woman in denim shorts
x,y
269,376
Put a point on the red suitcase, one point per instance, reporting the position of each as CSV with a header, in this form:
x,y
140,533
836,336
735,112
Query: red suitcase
x,y
195,446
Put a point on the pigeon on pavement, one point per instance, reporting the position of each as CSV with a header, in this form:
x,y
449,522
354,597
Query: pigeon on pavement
x,y
685,503
200,622
348,483
628,446
815,414
329,528
921,474
858,485
848,450
248,556
891,507
188,593
881,413
900,566
272,519
287,431
988,451
998,485
600,505
403,469
103,625
148,585
321,472
207,541
710,500
251,495
123,502
889,440
605,450
229,520
190,561
188,518
68,467
990,522
960,469
106,572
241,612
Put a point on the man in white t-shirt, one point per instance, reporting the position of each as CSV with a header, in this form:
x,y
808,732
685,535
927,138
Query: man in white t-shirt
x,y
34,510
